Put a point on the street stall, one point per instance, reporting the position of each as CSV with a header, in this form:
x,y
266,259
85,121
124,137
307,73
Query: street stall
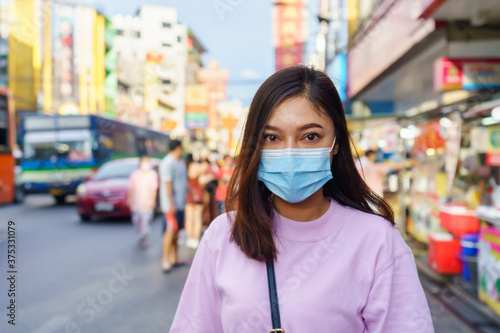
x,y
382,136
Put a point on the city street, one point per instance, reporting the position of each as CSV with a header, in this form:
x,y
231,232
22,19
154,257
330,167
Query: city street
x,y
94,276
85,277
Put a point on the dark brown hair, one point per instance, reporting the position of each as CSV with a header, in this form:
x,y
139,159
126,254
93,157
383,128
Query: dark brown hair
x,y
253,227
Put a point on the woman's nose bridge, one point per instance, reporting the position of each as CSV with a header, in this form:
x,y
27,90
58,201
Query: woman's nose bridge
x,y
291,142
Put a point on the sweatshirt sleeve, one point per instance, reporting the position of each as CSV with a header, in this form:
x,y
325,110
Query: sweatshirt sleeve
x,y
396,302
199,308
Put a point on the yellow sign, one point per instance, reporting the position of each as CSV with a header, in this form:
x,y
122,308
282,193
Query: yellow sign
x,y
197,98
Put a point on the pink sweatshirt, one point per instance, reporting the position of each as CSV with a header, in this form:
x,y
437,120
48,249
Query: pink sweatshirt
x,y
347,271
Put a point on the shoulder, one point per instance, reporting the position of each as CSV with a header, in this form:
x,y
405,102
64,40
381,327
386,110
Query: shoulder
x,y
219,231
374,233
134,174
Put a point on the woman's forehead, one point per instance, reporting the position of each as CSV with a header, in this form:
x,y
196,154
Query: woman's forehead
x,y
296,112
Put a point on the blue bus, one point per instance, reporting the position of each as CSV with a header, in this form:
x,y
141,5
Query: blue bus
x,y
59,152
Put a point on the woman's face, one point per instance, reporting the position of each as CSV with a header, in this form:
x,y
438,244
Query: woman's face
x,y
295,124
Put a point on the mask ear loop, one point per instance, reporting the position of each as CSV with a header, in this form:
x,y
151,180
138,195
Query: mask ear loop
x,y
333,145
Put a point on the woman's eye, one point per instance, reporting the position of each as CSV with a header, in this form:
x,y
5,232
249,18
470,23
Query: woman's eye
x,y
270,137
311,136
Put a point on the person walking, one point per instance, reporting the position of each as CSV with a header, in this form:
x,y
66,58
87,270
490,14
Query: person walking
x,y
173,189
194,204
143,187
304,235
223,176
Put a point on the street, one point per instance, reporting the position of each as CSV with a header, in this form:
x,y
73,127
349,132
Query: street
x,y
94,276
85,277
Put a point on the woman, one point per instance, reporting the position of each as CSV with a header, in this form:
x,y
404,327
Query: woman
x,y
143,187
296,198
194,203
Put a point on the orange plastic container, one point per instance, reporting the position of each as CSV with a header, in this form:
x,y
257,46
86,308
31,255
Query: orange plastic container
x,y
443,250
458,220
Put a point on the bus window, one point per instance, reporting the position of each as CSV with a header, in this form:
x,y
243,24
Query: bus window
x,y
67,145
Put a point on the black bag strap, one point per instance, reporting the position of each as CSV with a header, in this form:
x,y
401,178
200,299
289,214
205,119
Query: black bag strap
x,y
273,298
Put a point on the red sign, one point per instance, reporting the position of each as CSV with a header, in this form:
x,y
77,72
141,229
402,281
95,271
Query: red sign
x,y
289,28
493,159
430,137
468,74
288,56
447,74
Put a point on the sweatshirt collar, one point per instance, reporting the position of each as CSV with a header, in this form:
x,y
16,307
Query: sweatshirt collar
x,y
309,231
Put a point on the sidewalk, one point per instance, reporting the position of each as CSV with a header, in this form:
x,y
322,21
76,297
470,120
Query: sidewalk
x,y
457,295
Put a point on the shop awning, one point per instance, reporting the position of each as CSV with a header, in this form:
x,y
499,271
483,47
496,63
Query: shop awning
x,y
481,108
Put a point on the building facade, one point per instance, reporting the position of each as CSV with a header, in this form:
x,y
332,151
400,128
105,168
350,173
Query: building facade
x,y
152,60
56,57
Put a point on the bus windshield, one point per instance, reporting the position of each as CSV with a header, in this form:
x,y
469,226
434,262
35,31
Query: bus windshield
x,y
67,145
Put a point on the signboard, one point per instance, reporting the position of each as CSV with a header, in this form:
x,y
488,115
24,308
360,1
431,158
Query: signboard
x,y
66,52
214,79
493,159
466,74
196,98
494,139
196,120
429,138
447,75
168,125
289,32
481,75
489,266
391,32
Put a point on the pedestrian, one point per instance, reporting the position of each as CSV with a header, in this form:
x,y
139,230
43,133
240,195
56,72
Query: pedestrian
x,y
143,187
373,172
173,189
194,203
301,218
223,176
208,182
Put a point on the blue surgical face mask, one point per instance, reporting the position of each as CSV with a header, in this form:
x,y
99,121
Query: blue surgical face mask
x,y
295,174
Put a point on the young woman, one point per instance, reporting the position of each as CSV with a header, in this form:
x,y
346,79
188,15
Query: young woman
x,y
296,199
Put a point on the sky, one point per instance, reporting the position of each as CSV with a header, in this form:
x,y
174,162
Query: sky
x,y
237,33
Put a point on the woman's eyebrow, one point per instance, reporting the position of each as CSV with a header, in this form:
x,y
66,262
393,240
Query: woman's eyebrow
x,y
301,128
271,128
311,125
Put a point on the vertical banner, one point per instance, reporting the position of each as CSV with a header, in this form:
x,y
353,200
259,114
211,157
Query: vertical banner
x,y
197,106
289,32
215,80
66,53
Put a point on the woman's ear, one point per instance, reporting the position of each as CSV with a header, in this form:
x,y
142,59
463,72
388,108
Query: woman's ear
x,y
335,149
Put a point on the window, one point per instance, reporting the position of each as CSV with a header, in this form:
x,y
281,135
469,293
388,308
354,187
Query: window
x,y
179,39
137,34
119,32
166,45
167,25
116,169
166,81
4,124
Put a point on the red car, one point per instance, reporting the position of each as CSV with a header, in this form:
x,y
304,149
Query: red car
x,y
104,194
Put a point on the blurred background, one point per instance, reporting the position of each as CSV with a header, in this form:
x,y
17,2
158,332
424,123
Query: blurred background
x,y
86,87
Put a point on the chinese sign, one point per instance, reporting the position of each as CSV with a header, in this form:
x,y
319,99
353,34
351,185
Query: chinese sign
x,y
289,32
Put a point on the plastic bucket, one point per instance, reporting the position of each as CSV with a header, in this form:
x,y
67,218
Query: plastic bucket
x,y
468,244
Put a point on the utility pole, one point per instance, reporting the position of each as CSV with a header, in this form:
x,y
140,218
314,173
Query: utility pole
x,y
322,37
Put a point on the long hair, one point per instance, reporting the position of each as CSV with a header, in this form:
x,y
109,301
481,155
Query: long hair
x,y
252,224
